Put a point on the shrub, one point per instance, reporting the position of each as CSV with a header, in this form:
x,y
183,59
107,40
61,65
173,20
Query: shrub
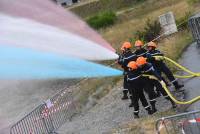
x,y
150,31
102,20
182,23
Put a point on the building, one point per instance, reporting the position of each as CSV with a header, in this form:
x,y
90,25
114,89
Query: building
x,y
66,2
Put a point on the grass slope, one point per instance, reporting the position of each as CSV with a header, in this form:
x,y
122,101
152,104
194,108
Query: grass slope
x,y
130,20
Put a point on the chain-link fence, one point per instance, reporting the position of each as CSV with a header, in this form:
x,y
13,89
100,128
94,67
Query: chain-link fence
x,y
185,123
194,24
48,117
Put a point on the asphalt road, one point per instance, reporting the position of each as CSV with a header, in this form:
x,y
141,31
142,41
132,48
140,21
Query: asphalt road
x,y
191,60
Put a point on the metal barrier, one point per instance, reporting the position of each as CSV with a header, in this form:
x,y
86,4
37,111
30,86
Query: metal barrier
x,y
48,117
185,123
194,24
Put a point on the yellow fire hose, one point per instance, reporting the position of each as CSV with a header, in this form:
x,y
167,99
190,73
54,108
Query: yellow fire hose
x,y
171,96
192,74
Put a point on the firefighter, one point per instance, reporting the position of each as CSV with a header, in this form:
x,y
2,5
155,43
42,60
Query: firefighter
x,y
147,68
160,66
140,51
123,60
136,82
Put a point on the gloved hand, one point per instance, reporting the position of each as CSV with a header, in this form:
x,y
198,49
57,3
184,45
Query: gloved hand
x,y
159,58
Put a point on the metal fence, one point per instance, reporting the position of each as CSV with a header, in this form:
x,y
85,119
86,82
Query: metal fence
x,y
48,117
185,123
194,24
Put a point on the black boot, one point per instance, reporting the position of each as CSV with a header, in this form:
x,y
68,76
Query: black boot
x,y
178,86
136,116
125,95
150,112
172,102
153,105
154,110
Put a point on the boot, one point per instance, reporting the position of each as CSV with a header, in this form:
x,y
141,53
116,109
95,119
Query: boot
x,y
153,105
136,116
178,86
125,95
174,106
150,112
172,102
154,110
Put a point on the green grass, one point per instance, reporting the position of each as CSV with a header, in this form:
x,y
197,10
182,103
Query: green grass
x,y
102,20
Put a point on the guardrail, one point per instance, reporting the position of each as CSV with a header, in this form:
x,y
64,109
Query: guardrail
x,y
185,123
47,117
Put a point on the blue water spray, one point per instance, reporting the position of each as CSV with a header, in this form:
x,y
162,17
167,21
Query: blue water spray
x,y
24,63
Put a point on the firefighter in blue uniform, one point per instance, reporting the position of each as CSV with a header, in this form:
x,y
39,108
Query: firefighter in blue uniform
x,y
160,66
140,51
123,60
136,85
148,69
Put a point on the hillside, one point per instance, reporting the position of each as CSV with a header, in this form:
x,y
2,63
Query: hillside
x,y
103,100
121,31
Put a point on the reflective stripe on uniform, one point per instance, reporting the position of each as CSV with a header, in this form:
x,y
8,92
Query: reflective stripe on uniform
x,y
166,96
149,70
134,78
174,81
141,54
129,57
152,100
155,54
146,107
136,111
